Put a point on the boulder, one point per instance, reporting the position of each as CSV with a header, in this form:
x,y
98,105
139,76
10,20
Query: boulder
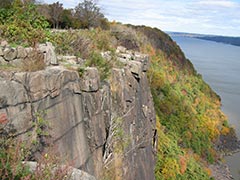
x,y
49,51
73,174
21,52
9,53
121,49
29,52
77,174
4,43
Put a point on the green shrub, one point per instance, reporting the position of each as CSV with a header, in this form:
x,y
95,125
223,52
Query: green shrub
x,y
22,24
96,60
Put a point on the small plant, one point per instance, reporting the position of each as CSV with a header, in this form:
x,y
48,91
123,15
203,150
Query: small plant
x,y
41,125
96,60
15,153
118,142
81,71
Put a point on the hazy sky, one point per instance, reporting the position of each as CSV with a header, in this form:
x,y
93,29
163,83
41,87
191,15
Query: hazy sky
x,y
220,17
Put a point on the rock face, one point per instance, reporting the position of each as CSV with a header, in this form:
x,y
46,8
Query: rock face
x,y
13,56
106,129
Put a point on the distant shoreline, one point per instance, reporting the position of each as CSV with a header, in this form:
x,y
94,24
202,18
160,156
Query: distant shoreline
x,y
222,39
235,41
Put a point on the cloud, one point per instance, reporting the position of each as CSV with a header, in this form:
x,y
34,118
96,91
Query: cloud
x,y
218,3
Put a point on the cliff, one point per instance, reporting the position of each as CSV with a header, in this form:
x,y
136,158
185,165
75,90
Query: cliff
x,y
105,128
97,105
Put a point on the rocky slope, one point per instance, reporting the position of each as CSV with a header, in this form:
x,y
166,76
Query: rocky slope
x,y
93,124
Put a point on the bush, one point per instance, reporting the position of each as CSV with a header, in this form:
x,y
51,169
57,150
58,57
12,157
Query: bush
x,y
13,152
22,24
72,43
96,60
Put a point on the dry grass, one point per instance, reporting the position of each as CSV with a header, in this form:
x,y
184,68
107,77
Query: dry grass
x,y
33,62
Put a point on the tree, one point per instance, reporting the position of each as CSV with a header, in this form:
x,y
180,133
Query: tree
x,y
88,13
6,3
56,10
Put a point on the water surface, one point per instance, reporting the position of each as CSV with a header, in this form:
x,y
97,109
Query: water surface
x,y
220,66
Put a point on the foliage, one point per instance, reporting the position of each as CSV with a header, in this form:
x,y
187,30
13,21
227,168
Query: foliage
x,y
174,162
88,13
87,45
6,4
186,106
22,24
56,10
96,60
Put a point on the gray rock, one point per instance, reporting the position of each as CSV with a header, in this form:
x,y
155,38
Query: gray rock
x,y
73,173
144,59
4,43
2,61
29,52
9,54
107,55
125,56
1,51
220,171
20,118
90,81
122,60
49,51
121,49
132,103
17,62
77,174
21,52
12,94
135,68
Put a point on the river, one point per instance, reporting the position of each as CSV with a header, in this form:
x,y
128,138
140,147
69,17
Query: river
x,y
219,65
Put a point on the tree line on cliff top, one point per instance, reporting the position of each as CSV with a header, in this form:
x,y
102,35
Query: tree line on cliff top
x,y
86,14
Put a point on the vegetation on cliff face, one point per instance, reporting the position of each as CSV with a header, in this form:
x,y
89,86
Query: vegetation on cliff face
x,y
189,118
188,111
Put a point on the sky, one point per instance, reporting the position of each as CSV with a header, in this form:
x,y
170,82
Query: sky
x,y
217,17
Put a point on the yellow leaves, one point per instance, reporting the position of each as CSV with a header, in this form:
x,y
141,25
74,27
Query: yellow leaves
x,y
156,78
209,172
170,168
225,130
